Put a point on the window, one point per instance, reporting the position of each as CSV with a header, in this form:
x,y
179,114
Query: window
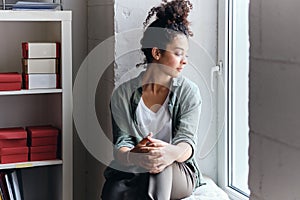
x,y
233,146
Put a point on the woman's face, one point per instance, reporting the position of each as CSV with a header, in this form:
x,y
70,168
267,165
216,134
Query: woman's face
x,y
174,58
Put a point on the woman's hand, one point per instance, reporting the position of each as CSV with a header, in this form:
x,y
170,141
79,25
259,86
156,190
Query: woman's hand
x,y
163,154
155,155
140,155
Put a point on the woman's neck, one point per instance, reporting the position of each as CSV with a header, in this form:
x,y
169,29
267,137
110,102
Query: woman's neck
x,y
156,78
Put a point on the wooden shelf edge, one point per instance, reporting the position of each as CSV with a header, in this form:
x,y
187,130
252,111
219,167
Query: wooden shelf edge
x,y
21,165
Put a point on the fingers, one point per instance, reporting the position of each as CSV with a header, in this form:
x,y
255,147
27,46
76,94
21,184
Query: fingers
x,y
144,141
148,161
156,141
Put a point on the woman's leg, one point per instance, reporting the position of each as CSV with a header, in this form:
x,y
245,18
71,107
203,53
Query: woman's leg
x,y
125,186
175,182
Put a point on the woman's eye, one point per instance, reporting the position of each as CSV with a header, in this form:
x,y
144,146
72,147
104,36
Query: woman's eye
x,y
179,54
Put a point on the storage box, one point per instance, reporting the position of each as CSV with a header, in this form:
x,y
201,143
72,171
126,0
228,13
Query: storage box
x,y
13,137
40,50
10,81
43,153
42,135
40,66
41,81
13,154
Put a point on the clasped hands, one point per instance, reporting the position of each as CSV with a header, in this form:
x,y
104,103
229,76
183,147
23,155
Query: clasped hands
x,y
152,154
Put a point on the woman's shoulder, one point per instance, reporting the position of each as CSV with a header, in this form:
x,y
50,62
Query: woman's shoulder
x,y
187,84
127,87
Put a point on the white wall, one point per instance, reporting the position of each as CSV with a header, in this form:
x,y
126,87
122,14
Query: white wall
x,y
274,100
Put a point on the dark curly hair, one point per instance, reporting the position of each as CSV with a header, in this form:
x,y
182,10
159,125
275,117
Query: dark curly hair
x,y
171,20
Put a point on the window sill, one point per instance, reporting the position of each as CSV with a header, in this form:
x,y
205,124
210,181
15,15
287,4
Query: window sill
x,y
234,195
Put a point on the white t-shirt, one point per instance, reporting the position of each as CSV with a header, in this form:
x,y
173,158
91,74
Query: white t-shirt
x,y
159,123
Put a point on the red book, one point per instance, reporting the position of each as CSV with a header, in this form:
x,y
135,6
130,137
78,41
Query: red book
x,y
10,81
13,137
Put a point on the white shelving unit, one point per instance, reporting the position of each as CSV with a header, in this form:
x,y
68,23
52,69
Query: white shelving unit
x,y
40,179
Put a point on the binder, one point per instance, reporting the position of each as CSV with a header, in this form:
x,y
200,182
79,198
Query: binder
x,y
40,66
41,49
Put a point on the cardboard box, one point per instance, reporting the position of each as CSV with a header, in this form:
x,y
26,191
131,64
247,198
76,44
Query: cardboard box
x,y
43,153
40,66
13,137
42,135
41,49
13,154
41,81
10,81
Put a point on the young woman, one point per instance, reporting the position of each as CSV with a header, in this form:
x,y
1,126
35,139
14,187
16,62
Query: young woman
x,y
155,116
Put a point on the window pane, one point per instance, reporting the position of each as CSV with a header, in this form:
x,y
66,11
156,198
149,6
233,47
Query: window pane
x,y
239,97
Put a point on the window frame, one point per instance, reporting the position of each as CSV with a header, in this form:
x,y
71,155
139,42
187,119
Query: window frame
x,y
225,24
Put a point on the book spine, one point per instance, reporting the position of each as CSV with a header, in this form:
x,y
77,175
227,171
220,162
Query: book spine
x,y
9,187
3,186
15,185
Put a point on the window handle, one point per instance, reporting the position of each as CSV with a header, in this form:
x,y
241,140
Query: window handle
x,y
218,68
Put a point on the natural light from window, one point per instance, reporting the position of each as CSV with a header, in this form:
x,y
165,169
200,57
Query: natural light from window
x,y
238,98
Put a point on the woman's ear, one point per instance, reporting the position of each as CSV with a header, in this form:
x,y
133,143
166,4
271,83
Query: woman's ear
x,y
156,53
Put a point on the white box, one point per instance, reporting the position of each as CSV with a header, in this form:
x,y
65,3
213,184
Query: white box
x,y
40,50
40,66
41,81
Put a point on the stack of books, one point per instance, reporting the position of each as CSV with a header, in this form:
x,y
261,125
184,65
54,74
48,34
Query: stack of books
x,y
13,145
42,142
10,185
40,65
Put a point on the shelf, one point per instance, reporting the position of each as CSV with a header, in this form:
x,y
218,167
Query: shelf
x,y
35,15
49,179
30,164
35,91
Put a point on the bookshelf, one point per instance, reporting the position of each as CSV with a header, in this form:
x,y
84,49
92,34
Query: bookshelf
x,y
49,179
